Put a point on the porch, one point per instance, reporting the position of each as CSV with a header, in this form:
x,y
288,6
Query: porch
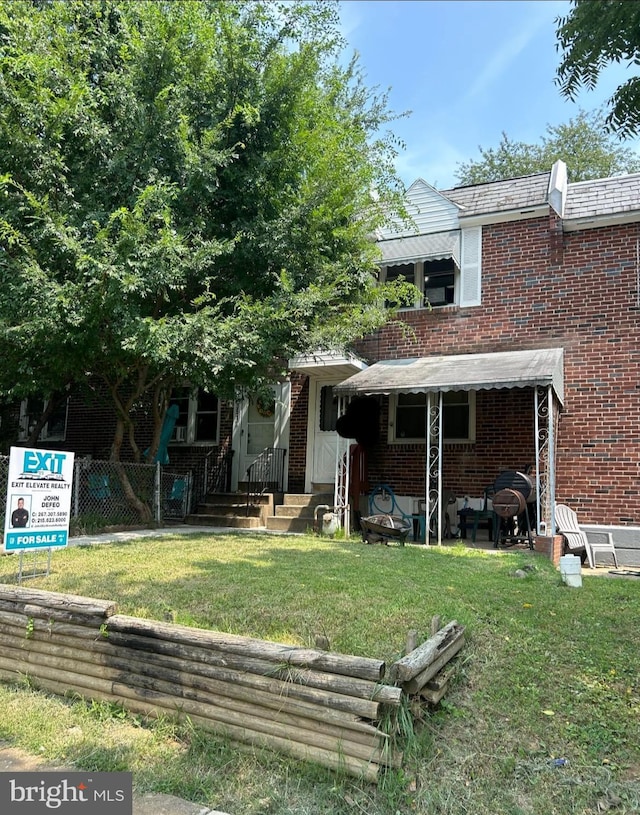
x,y
517,399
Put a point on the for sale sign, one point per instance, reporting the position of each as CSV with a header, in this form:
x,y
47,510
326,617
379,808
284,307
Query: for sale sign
x,y
38,499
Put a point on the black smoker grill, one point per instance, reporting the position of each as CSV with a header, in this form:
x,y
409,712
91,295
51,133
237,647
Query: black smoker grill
x,y
511,491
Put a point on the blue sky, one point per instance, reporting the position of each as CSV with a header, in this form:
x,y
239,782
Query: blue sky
x,y
468,70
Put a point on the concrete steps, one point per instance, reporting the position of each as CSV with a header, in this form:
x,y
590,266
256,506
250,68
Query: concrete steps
x,y
222,509
296,513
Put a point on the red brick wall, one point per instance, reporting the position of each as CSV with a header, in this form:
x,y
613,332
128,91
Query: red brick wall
x,y
91,425
298,432
580,295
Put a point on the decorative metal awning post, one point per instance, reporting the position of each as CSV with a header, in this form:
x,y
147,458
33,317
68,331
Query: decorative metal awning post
x,y
545,411
433,468
343,475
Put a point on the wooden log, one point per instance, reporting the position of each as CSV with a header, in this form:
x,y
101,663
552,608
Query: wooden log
x,y
353,666
338,683
268,726
228,693
419,681
441,678
102,652
433,696
47,628
50,615
412,641
72,681
343,691
105,680
180,683
436,624
350,706
413,663
245,736
54,600
297,728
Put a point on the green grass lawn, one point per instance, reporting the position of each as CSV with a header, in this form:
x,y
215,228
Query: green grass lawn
x,y
548,672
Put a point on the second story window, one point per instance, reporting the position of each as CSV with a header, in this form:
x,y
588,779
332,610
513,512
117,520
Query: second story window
x,y
436,280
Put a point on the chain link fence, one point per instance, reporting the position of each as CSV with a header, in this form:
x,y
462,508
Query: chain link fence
x,y
107,494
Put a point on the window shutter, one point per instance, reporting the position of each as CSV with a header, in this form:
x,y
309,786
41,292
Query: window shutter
x,y
470,292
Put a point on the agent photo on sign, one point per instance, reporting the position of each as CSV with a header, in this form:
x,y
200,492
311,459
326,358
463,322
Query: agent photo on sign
x,y
20,516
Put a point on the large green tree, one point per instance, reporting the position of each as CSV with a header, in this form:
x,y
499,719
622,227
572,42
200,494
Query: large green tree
x,y
185,193
583,143
593,35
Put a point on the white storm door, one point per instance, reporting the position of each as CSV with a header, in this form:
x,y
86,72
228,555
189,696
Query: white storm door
x,y
322,436
260,423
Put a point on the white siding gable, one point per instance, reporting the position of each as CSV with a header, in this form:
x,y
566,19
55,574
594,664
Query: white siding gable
x,y
430,211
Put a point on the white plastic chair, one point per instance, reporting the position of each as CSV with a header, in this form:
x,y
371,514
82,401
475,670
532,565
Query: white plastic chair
x,y
577,539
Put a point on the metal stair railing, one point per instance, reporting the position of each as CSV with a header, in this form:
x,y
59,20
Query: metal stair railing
x,y
212,475
265,473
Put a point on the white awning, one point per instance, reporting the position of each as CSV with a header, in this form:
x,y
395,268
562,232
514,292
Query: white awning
x,y
421,247
461,372
327,364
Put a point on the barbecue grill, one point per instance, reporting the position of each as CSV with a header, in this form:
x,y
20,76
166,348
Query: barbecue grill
x,y
511,491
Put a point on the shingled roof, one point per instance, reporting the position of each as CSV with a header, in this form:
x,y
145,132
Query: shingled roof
x,y
603,197
512,194
598,198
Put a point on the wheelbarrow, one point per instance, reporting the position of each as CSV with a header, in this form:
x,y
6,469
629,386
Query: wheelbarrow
x,y
385,529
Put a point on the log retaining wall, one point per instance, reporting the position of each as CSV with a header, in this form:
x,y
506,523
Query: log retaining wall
x,y
311,704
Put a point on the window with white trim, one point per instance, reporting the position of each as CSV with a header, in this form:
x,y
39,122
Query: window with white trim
x,y
31,410
198,419
443,279
436,279
408,417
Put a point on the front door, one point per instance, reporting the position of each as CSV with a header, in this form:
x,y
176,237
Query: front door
x,y
322,436
259,422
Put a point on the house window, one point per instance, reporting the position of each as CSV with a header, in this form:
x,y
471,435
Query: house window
x,y
408,417
435,279
198,416
328,408
30,412
438,282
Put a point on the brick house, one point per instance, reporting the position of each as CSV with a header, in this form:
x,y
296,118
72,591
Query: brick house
x,y
516,347
535,359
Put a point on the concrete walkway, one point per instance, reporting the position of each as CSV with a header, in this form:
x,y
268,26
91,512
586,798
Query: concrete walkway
x,y
177,529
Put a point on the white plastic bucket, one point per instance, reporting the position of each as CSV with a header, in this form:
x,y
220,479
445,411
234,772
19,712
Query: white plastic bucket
x,y
570,570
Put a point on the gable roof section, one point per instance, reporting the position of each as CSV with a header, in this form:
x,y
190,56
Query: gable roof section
x,y
430,211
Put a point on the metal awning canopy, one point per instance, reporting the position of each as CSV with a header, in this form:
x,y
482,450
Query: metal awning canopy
x,y
461,372
433,246
327,364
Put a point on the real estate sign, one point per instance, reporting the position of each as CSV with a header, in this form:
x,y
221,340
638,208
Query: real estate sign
x,y
38,499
